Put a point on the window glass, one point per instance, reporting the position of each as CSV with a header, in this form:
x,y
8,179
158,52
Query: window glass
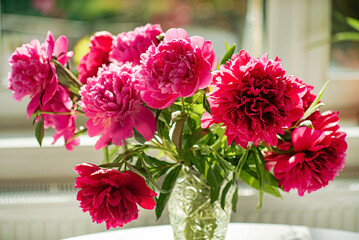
x,y
345,35
24,20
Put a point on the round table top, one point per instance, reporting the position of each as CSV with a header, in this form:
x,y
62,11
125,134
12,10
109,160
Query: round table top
x,y
236,231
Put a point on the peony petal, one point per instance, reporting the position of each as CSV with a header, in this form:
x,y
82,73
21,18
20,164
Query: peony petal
x,y
305,138
174,34
50,89
145,123
33,105
60,50
206,120
206,49
86,169
92,129
115,198
158,104
147,203
102,142
49,45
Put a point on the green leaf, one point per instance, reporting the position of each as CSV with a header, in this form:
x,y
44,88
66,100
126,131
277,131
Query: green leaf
x,y
139,138
226,45
195,137
224,193
211,178
206,105
235,199
214,194
260,201
67,79
194,160
40,131
168,184
242,161
346,36
158,113
149,176
253,182
224,164
306,123
163,130
160,171
109,165
273,182
154,162
354,23
312,108
228,54
178,133
260,166
137,169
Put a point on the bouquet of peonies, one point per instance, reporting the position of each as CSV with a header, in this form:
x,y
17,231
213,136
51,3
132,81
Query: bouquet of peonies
x,y
243,118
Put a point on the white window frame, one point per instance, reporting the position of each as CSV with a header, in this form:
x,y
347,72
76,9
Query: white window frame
x,y
292,26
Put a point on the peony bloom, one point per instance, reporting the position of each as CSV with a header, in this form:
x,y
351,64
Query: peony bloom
x,y
177,67
64,125
32,72
254,100
318,156
100,47
114,107
128,46
112,196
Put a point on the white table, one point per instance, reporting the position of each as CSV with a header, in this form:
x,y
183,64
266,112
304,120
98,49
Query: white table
x,y
236,231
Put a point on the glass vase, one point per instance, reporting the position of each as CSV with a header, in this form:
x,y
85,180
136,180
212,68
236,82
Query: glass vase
x,y
192,215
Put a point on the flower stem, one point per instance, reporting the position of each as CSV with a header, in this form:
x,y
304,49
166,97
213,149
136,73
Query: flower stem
x,y
182,101
190,106
60,113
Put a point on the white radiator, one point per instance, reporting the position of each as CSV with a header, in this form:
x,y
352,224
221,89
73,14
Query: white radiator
x,y
46,211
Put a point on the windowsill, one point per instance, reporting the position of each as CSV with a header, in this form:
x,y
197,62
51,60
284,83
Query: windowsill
x,y
22,158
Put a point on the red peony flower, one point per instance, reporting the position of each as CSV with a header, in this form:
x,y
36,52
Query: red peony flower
x,y
254,100
177,67
32,72
319,155
128,46
114,107
112,196
64,125
100,47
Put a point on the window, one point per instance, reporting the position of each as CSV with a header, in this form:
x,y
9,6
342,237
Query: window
x,y
300,33
24,20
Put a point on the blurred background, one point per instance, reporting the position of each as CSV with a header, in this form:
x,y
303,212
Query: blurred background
x,y
316,40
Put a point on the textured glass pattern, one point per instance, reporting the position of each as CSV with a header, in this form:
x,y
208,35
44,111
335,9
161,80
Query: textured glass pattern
x,y
192,216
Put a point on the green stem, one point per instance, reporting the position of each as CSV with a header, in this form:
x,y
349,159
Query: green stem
x,y
105,155
190,106
60,113
170,152
182,101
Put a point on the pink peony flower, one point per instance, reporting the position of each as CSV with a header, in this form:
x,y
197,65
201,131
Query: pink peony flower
x,y
64,125
32,72
318,156
254,99
177,67
128,46
112,196
100,47
114,107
